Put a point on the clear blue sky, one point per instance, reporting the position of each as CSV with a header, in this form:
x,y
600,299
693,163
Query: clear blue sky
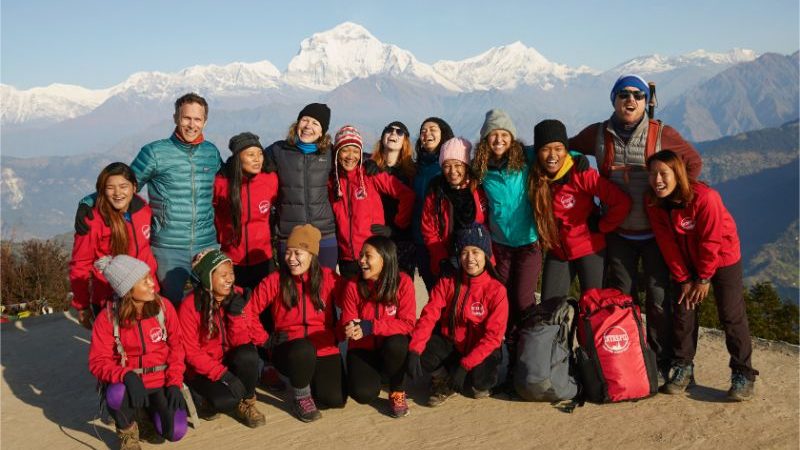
x,y
99,43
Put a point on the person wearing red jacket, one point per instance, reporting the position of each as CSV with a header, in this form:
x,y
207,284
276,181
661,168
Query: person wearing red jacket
x,y
454,201
301,299
356,200
378,314
120,225
137,353
698,238
562,200
243,199
469,313
224,375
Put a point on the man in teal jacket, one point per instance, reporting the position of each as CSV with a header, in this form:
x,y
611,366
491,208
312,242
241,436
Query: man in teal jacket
x,y
179,174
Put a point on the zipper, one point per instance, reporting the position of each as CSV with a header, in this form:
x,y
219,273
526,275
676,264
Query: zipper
x,y
349,211
221,325
194,202
303,301
135,240
144,347
246,234
305,187
377,314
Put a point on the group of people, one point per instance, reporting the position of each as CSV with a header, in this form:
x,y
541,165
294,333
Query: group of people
x,y
274,258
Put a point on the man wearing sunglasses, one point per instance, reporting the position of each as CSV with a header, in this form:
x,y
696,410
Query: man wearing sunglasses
x,y
622,145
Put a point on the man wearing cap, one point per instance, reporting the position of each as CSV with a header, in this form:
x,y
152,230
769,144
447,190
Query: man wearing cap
x,y
179,173
621,145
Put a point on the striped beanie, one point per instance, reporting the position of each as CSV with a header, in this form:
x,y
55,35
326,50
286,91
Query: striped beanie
x,y
349,135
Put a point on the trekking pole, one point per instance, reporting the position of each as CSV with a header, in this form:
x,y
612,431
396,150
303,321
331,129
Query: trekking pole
x,y
651,106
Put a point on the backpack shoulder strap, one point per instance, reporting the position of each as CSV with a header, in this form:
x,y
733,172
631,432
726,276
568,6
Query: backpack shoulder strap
x,y
604,150
162,320
113,315
653,144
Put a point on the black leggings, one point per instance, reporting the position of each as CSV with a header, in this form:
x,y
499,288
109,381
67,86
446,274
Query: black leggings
x,y
558,274
241,361
364,368
441,352
297,359
169,423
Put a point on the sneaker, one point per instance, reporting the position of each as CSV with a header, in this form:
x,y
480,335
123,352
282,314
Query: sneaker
x,y
440,391
129,439
398,404
247,412
682,378
741,388
271,379
305,409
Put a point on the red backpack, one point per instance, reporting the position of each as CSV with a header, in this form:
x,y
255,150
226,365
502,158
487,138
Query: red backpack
x,y
614,360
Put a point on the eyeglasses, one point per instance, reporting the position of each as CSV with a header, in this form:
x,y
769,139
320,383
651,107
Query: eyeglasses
x,y
624,95
398,131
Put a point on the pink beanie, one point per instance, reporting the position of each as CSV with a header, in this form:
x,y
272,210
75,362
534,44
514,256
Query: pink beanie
x,y
456,148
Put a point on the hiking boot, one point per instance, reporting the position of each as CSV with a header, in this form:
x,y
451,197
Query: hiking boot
x,y
741,388
398,404
480,393
129,439
440,391
247,412
271,379
682,378
305,409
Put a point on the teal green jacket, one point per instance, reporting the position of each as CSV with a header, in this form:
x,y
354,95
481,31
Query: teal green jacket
x,y
511,221
180,184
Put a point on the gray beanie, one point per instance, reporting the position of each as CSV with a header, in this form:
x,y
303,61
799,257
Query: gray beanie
x,y
122,272
497,119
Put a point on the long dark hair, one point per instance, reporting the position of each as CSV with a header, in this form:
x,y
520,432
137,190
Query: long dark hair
x,y
542,205
204,303
289,291
126,311
683,182
232,171
114,218
389,279
446,134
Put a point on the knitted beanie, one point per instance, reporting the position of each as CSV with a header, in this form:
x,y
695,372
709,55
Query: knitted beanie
x,y
630,80
475,235
305,237
318,111
204,264
497,119
548,131
122,272
456,148
243,141
348,135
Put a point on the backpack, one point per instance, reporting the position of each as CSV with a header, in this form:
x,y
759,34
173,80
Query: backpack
x,y
544,371
614,360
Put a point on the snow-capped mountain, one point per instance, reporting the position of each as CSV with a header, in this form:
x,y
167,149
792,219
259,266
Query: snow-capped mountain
x,y
507,67
332,58
651,64
47,104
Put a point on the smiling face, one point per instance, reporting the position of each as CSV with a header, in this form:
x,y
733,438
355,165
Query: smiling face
x,y
222,279
371,263
551,157
392,138
473,260
628,110
298,260
309,130
252,159
119,192
348,157
144,289
190,120
499,142
430,135
662,179
455,172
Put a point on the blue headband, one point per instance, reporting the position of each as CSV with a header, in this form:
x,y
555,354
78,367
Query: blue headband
x,y
630,80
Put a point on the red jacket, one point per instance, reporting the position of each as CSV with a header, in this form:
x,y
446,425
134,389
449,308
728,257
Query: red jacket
x,y
480,321
387,320
355,213
437,228
204,356
258,194
698,238
144,346
96,243
301,321
573,203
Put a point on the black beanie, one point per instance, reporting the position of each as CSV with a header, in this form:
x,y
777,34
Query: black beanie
x,y
398,124
548,131
475,235
318,111
243,141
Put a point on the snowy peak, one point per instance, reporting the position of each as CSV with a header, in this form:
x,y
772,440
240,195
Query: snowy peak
x,y
48,104
646,65
331,58
507,67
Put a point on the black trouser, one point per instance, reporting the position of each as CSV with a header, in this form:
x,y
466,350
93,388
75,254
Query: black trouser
x,y
249,276
297,359
623,257
364,368
441,352
728,293
241,361
406,256
558,274
424,267
125,416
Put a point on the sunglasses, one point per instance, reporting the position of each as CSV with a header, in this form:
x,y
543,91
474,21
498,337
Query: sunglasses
x,y
398,131
624,95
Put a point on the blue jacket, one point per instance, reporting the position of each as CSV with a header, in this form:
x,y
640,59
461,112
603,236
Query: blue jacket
x,y
426,171
511,221
180,185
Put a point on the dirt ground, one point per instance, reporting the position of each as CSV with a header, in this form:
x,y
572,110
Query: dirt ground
x,y
48,402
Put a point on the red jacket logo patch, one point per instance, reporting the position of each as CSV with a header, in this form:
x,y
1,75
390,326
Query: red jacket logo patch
x,y
687,223
567,201
616,340
263,206
157,334
477,309
146,231
391,310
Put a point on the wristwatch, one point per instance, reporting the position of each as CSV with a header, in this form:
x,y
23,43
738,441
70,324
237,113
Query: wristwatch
x,y
703,281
